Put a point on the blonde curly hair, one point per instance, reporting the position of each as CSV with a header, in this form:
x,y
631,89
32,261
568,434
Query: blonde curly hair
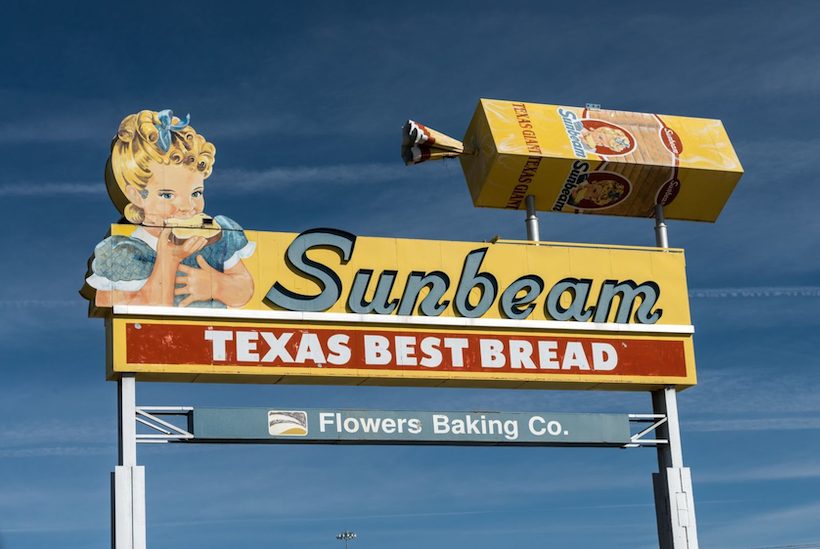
x,y
137,144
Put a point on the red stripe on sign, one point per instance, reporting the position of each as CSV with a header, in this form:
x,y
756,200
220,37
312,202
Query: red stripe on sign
x,y
401,351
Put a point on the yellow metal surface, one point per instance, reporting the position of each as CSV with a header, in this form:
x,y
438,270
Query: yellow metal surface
x,y
506,261
515,148
222,373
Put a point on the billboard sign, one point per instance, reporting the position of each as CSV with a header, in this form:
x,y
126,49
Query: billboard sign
x,y
331,307
332,426
193,297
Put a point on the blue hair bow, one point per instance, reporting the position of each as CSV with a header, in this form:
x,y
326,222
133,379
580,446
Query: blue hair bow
x,y
165,127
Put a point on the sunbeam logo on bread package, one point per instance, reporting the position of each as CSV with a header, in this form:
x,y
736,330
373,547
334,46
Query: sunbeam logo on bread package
x,y
600,137
585,190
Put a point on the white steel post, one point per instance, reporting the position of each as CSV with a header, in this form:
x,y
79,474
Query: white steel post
x,y
674,503
532,219
127,412
128,479
661,238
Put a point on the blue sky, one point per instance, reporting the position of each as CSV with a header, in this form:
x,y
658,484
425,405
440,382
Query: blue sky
x,y
304,103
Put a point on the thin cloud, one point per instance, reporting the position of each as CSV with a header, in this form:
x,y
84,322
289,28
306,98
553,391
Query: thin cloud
x,y
239,180
56,451
53,129
768,527
32,527
762,424
419,489
49,189
793,397
321,518
794,470
39,303
35,436
790,546
338,174
770,291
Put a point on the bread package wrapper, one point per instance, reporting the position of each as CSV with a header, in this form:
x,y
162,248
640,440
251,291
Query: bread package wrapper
x,y
597,161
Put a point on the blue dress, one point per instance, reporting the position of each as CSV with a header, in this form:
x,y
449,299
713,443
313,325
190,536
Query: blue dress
x,y
124,263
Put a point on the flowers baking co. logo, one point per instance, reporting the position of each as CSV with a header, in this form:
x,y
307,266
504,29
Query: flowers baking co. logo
x,y
585,190
596,136
287,423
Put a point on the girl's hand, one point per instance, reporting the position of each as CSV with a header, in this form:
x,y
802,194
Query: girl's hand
x,y
166,249
197,284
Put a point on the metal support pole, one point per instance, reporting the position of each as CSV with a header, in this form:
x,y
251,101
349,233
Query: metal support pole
x,y
532,219
661,238
674,503
128,479
127,412
665,402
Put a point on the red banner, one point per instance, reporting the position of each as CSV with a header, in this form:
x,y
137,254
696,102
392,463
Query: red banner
x,y
374,349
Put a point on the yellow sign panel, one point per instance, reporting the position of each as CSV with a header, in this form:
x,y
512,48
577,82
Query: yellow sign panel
x,y
598,161
327,306
327,270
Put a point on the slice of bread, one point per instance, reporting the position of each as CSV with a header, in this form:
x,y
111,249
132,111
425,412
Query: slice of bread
x,y
198,225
